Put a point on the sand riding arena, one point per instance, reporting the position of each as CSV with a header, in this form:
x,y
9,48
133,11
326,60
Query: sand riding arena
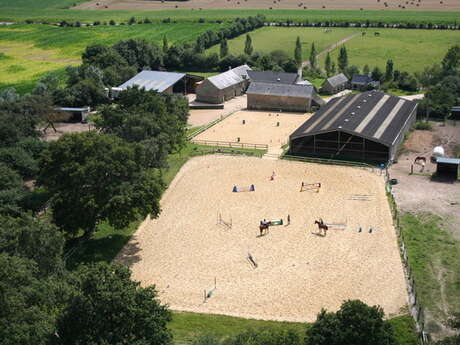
x,y
205,253
255,127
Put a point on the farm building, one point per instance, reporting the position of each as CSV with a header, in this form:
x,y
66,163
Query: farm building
x,y
285,97
447,167
222,87
274,77
335,84
162,82
455,113
75,114
363,82
367,127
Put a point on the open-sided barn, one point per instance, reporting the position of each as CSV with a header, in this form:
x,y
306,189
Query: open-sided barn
x,y
162,82
222,87
367,127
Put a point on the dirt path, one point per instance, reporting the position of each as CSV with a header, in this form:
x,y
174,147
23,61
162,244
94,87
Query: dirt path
x,y
331,48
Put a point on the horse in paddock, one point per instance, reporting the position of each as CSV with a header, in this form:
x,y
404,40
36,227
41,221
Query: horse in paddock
x,y
322,228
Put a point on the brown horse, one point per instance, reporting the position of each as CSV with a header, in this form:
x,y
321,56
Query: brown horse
x,y
322,228
264,228
420,160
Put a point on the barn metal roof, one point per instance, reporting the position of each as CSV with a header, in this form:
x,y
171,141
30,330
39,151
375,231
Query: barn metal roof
x,y
372,115
272,89
229,78
273,77
153,80
337,80
454,161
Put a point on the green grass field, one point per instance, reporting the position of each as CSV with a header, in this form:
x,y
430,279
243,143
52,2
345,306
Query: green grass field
x,y
411,50
267,39
28,51
21,10
434,257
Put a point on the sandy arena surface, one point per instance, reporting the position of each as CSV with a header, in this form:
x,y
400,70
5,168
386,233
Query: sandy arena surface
x,y
298,271
260,127
201,117
445,5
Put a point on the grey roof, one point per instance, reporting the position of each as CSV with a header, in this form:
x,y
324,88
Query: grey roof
x,y
337,80
455,161
272,89
72,109
273,77
230,77
361,79
373,115
153,80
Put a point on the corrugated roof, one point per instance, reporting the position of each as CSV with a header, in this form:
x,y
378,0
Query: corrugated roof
x,y
455,161
373,115
337,80
153,80
361,79
273,77
229,78
455,109
272,89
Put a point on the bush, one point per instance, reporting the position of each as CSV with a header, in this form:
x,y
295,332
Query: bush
x,y
423,126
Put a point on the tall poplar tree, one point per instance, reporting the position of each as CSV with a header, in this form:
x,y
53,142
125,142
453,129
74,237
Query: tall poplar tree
x,y
298,52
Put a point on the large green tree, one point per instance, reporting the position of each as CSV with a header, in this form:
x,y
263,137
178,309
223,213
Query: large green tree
x,y
355,323
94,177
141,53
248,49
33,239
312,58
342,60
223,51
328,65
298,52
110,308
389,70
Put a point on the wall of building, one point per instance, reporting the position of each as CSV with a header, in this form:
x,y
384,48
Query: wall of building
x,y
285,103
206,92
329,89
400,138
339,145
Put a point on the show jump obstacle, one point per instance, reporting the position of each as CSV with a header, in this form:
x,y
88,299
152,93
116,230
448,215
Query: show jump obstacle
x,y
237,189
311,187
221,221
342,225
360,197
251,260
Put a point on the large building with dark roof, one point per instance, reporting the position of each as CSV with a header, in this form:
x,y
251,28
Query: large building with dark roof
x,y
273,77
363,82
367,127
223,87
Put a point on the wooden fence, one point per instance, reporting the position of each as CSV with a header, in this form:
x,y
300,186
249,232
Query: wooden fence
x,y
231,144
416,309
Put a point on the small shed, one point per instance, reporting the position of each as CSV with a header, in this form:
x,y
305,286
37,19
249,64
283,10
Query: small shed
x,y
335,84
455,113
363,82
447,167
75,114
223,87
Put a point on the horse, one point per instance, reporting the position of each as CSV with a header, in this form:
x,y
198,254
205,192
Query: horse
x,y
264,228
322,228
420,160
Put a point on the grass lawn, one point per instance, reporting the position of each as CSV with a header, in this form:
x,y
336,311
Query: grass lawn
x,y
434,257
21,10
411,50
28,51
267,39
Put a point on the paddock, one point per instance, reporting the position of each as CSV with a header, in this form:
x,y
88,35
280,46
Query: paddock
x,y
186,253
261,127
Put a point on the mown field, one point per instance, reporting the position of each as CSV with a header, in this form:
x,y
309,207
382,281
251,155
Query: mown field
x,y
411,50
28,51
38,13
39,4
